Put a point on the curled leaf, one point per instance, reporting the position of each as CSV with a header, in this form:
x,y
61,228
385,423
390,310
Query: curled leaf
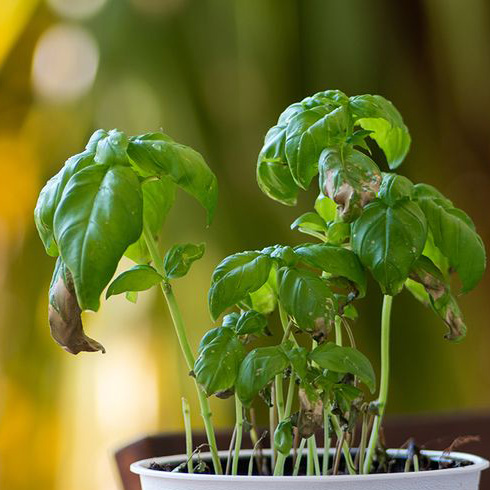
x,y
283,437
65,314
350,178
438,295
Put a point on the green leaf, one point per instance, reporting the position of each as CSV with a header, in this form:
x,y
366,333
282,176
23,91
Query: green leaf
x,y
308,299
99,216
338,233
350,178
138,278
394,188
264,300
50,197
235,278
275,181
283,437
298,358
336,261
379,115
257,370
251,322
309,221
132,296
308,134
217,366
345,360
389,240
282,254
179,258
158,198
111,149
325,207
231,319
455,236
158,154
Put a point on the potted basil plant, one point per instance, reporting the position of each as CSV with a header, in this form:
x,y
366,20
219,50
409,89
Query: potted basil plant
x,y
312,376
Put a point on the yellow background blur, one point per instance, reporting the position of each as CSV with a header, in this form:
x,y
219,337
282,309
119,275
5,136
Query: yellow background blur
x,y
214,74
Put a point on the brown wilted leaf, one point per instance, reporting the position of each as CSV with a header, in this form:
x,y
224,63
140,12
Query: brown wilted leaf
x,y
65,314
310,415
351,179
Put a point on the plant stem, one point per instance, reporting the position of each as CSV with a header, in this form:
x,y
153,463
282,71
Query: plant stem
x,y
281,458
416,463
338,330
326,441
279,397
299,456
184,345
230,451
309,462
384,380
362,444
188,434
239,433
272,427
316,460
345,447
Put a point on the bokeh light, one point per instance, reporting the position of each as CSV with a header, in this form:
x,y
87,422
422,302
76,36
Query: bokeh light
x,y
65,63
76,9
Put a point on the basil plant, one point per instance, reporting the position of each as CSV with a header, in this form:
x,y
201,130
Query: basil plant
x,y
367,219
111,200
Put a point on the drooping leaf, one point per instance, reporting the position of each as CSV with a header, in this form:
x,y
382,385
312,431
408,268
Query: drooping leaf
x,y
138,278
345,360
275,181
308,134
257,370
307,298
388,240
65,318
235,278
158,154
379,115
350,178
336,261
179,258
437,291
217,366
158,199
98,217
111,149
50,197
454,235
395,188
251,322
283,437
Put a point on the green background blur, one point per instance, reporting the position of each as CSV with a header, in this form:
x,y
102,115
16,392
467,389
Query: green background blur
x,y
215,74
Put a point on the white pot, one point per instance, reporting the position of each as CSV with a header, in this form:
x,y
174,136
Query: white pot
x,y
463,478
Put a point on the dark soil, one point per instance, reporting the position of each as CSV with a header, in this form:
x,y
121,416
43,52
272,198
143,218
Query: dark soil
x,y
391,465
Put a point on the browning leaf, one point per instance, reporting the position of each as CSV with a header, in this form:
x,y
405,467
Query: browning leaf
x,y
65,314
310,415
350,178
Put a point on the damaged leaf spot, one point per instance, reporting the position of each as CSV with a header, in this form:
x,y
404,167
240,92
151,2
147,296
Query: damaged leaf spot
x,y
65,314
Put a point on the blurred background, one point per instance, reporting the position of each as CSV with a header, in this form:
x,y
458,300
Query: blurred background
x,y
215,74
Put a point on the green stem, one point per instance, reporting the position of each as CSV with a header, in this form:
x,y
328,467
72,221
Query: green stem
x,y
338,330
301,448
188,434
184,345
281,458
310,458
272,427
279,397
383,386
239,433
326,441
316,460
362,444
